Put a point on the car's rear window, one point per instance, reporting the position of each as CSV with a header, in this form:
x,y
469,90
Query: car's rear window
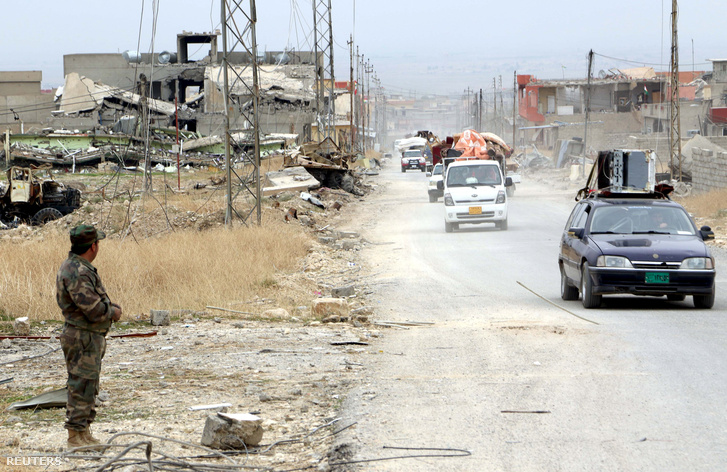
x,y
641,219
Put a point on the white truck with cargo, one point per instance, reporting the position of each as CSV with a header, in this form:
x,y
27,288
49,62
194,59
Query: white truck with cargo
x,y
475,192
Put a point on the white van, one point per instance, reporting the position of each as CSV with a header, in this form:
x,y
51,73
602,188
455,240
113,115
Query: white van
x,y
475,192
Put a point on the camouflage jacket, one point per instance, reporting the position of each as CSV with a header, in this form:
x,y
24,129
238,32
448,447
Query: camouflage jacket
x,y
82,297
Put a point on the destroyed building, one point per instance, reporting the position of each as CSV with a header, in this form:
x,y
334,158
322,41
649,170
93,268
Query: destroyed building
x,y
101,89
623,103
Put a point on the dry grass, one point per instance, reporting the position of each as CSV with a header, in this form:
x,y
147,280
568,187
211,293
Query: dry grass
x,y
182,270
707,205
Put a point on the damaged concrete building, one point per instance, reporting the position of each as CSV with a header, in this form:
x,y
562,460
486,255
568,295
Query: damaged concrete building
x,y
23,105
624,102
286,88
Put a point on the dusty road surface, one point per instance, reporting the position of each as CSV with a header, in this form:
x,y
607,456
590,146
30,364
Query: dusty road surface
x,y
503,380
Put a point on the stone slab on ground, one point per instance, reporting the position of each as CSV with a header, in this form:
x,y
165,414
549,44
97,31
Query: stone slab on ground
x,y
232,431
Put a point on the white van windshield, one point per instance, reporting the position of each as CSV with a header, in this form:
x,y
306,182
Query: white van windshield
x,y
473,175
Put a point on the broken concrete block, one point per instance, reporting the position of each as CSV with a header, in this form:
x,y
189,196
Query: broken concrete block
x,y
306,220
349,235
232,431
330,307
363,310
325,240
361,314
349,245
21,326
160,318
276,313
340,292
335,319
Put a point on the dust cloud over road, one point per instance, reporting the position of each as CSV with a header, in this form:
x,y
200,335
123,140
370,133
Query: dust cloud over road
x,y
503,374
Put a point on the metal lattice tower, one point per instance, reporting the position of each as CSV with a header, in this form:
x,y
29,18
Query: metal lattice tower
x,y
675,128
325,81
241,96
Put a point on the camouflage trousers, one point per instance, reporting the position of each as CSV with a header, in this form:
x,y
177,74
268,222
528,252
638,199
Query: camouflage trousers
x,y
83,351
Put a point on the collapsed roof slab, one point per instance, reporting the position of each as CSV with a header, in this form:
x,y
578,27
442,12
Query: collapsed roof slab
x,y
81,94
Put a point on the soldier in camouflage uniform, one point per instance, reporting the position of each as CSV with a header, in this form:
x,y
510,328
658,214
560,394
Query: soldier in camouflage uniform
x,y
88,314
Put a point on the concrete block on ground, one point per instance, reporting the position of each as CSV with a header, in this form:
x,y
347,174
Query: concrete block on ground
x,y
280,313
21,326
349,235
232,431
326,307
340,292
295,179
160,317
349,245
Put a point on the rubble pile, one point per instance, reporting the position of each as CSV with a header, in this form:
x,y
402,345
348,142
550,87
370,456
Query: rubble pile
x,y
268,384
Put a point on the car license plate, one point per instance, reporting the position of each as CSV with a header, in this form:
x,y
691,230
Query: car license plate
x,y
657,277
475,210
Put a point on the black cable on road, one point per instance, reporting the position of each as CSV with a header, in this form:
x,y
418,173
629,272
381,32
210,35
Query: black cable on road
x,y
555,305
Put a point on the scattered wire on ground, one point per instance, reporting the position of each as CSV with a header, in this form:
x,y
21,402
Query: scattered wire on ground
x,y
167,461
555,305
30,357
174,463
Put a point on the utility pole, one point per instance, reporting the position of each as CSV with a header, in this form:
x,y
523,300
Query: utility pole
x,y
479,113
588,113
494,101
147,185
675,128
501,128
368,69
249,176
514,110
360,115
357,104
351,90
468,110
325,80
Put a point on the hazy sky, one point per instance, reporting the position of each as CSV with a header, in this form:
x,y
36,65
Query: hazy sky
x,y
415,47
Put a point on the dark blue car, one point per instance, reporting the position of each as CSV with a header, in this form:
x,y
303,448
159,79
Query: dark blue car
x,y
639,246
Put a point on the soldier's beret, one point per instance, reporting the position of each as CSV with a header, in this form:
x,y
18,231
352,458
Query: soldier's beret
x,y
85,235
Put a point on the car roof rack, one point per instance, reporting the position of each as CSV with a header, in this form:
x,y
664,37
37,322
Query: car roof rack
x,y
624,173
661,192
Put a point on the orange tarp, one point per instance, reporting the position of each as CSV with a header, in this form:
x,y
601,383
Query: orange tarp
x,y
472,144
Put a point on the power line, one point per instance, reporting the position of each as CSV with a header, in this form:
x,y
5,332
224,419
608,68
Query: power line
x,y
641,62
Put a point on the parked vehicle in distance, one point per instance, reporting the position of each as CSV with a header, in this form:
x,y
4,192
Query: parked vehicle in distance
x,y
474,193
635,244
413,159
435,176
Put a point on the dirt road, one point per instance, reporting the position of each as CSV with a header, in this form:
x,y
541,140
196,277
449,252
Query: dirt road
x,y
504,380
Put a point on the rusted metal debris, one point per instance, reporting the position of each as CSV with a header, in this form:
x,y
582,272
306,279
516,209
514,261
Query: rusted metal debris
x,y
326,163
